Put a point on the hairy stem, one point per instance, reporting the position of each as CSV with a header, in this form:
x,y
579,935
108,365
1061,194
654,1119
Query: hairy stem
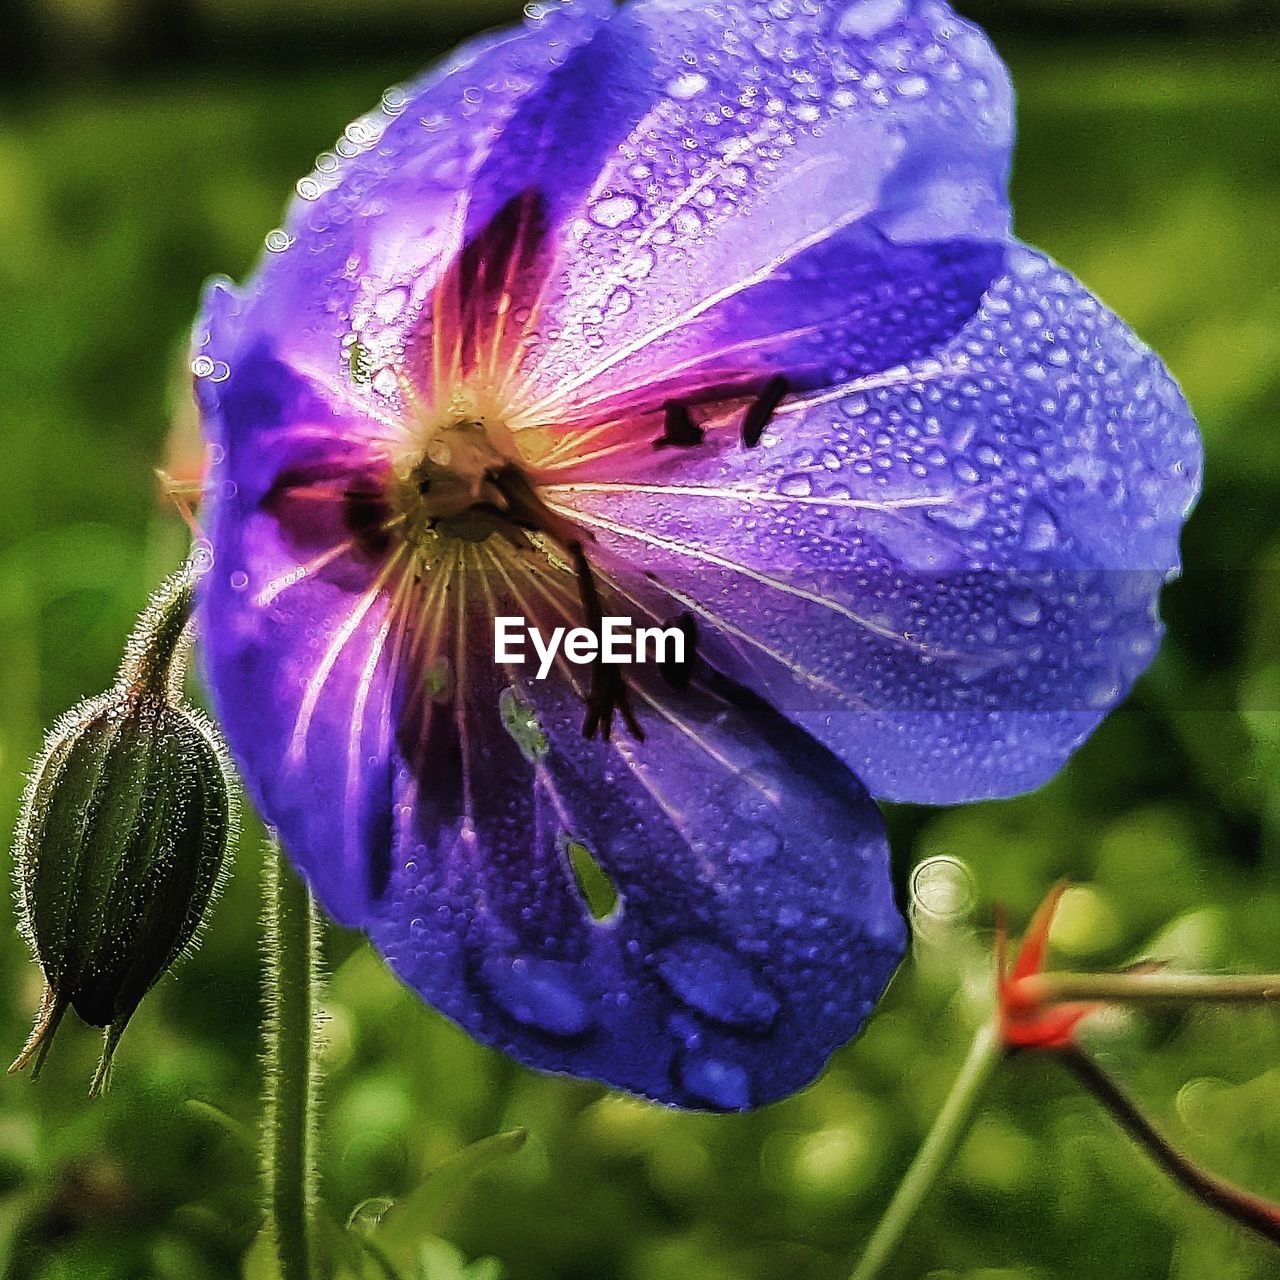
x,y
935,1154
292,978
1251,1211
1115,988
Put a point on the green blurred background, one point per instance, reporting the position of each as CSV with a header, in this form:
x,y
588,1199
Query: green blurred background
x,y
145,144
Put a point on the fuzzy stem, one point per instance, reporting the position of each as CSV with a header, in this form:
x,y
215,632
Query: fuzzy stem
x,y
1133,988
935,1154
1251,1211
292,977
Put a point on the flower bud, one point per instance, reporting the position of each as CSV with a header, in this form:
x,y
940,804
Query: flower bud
x,y
123,833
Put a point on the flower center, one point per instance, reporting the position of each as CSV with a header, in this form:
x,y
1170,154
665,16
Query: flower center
x,y
453,488
464,486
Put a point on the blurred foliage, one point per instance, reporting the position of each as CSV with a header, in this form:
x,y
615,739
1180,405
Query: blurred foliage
x,y
1147,164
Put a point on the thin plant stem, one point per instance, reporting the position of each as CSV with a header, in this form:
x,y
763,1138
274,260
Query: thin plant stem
x,y
1115,988
1251,1211
292,977
935,1154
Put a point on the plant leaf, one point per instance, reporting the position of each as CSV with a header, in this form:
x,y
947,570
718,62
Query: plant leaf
x,y
409,1219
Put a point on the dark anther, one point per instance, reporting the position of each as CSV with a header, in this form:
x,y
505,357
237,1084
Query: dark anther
x,y
762,409
679,674
609,692
679,427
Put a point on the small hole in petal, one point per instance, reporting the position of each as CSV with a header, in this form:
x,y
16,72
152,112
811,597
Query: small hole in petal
x,y
594,883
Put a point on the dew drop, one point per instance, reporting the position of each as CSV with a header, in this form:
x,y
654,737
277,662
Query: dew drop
x,y
942,888
614,211
1040,529
639,264
1026,610
390,304
201,555
717,984
687,86
795,486
753,845
619,302
711,1080
866,18
1102,694
537,993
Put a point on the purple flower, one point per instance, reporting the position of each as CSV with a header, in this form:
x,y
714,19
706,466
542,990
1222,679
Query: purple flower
x,y
697,314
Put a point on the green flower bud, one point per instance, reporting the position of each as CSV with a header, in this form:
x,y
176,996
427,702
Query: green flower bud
x,y
123,834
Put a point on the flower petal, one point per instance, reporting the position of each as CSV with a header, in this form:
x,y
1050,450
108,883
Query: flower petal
x,y
850,304
433,797
650,185
364,245
947,574
773,132
755,926
301,563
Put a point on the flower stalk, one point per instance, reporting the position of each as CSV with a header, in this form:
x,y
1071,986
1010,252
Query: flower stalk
x,y
292,932
1040,1011
941,1144
1249,1210
1150,987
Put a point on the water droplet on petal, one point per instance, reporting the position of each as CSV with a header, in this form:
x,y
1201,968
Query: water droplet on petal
x,y
390,304
542,994
614,211
1040,528
711,1080
687,86
1103,693
201,555
866,18
1026,610
717,984
753,844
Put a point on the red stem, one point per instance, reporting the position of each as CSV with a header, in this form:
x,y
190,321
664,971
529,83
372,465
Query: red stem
x,y
1249,1210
